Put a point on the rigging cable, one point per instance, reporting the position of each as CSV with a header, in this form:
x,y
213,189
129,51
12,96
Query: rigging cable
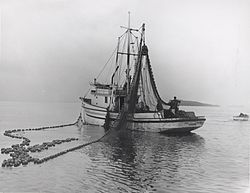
x,y
106,64
19,152
120,122
109,58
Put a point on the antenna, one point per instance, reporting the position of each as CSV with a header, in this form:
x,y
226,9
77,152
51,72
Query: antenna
x,y
128,28
128,19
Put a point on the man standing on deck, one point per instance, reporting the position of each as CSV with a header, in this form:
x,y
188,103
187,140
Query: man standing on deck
x,y
174,105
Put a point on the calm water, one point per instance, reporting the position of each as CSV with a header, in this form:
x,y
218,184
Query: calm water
x,y
215,158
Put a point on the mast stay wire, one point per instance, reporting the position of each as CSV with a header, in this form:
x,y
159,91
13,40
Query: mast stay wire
x,y
101,71
106,64
118,123
116,49
109,58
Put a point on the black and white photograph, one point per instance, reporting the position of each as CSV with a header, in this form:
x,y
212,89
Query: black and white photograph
x,y
135,96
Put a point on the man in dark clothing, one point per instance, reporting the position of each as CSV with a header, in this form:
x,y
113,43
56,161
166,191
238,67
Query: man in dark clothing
x,y
174,105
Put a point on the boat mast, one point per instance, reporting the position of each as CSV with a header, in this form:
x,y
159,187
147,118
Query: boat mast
x,y
128,55
116,62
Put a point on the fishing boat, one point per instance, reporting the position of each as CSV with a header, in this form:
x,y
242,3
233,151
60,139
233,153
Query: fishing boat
x,y
131,88
241,117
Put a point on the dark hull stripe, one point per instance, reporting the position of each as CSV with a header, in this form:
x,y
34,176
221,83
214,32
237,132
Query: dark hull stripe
x,y
94,105
110,111
95,116
94,109
146,121
156,121
137,120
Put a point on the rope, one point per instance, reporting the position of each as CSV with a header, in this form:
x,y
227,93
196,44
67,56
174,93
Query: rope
x,y
122,36
87,93
106,63
20,153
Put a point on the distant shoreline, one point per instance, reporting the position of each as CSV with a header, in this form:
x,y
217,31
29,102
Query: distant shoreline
x,y
195,103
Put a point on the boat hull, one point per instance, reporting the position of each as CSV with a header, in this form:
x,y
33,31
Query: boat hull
x,y
92,114
166,125
149,122
237,118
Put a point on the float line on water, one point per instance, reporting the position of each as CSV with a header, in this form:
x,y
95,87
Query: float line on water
x,y
20,154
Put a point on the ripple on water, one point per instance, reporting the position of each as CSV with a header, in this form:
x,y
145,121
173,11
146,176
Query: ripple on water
x,y
213,160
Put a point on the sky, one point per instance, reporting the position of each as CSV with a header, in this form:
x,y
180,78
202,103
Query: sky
x,y
51,50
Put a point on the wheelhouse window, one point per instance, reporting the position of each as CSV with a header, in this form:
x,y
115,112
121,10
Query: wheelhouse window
x,y
106,100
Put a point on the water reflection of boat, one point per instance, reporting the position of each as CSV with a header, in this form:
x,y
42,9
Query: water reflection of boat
x,y
241,117
132,89
141,159
133,143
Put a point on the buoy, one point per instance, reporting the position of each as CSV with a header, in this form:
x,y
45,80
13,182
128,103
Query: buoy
x,y
16,163
24,162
